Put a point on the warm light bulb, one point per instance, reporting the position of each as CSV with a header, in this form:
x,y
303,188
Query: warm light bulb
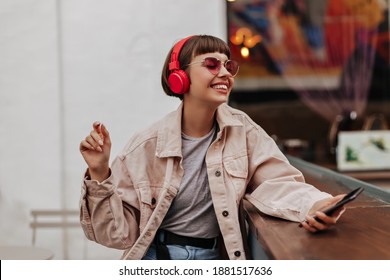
x,y
244,52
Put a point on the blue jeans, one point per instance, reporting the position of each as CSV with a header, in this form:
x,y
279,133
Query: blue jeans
x,y
178,252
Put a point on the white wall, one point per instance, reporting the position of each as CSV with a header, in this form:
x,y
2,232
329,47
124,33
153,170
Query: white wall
x,y
63,65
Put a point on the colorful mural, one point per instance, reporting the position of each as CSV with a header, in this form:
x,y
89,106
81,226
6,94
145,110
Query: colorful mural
x,y
297,37
323,49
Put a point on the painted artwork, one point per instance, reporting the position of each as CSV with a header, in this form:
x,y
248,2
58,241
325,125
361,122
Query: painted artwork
x,y
272,38
363,150
306,44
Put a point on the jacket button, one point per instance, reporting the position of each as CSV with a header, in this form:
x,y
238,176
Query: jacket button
x,y
237,253
153,200
217,173
225,213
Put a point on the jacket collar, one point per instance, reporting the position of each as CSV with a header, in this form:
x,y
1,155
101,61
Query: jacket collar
x,y
226,118
169,132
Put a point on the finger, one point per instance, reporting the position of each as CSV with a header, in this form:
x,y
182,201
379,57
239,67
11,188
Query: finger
x,y
93,142
308,227
316,222
84,145
105,135
97,137
96,125
331,201
104,131
339,197
324,219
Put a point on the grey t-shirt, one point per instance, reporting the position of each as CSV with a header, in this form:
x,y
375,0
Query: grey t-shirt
x,y
192,211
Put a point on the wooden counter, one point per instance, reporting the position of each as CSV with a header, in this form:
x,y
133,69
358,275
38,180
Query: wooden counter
x,y
362,232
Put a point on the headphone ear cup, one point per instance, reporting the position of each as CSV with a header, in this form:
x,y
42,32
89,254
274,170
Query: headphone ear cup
x,y
179,82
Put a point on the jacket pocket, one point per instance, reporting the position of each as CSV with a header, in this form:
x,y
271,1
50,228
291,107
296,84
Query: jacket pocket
x,y
237,172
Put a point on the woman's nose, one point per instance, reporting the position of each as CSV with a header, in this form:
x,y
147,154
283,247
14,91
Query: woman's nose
x,y
224,72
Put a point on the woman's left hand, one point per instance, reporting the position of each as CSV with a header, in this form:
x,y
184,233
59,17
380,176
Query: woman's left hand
x,y
324,222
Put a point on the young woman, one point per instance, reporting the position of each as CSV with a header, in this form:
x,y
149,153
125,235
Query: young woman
x,y
175,189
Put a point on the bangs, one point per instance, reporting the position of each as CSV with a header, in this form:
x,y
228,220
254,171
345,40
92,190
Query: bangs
x,y
210,44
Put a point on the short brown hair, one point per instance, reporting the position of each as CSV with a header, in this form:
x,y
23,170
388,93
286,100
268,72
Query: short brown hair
x,y
196,45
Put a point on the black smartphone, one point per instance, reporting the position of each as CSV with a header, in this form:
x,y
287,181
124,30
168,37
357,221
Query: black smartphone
x,y
348,198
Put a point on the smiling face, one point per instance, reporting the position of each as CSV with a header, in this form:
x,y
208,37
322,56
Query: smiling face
x,y
206,88
195,49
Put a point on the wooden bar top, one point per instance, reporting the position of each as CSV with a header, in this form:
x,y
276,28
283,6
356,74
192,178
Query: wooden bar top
x,y
362,232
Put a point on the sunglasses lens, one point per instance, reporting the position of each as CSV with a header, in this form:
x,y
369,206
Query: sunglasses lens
x,y
212,64
232,67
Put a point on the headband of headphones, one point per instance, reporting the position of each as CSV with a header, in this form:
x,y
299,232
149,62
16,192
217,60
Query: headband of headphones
x,y
174,64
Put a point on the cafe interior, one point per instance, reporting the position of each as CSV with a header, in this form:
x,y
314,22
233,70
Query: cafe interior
x,y
315,75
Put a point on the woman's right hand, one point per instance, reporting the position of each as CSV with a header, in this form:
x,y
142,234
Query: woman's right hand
x,y
95,149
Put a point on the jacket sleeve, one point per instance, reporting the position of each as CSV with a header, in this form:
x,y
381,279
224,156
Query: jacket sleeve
x,y
109,210
276,187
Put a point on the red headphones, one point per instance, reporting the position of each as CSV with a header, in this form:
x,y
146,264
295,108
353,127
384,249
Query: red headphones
x,y
178,80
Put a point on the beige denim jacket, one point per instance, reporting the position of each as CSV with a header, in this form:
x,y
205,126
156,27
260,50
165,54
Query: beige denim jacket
x,y
125,210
